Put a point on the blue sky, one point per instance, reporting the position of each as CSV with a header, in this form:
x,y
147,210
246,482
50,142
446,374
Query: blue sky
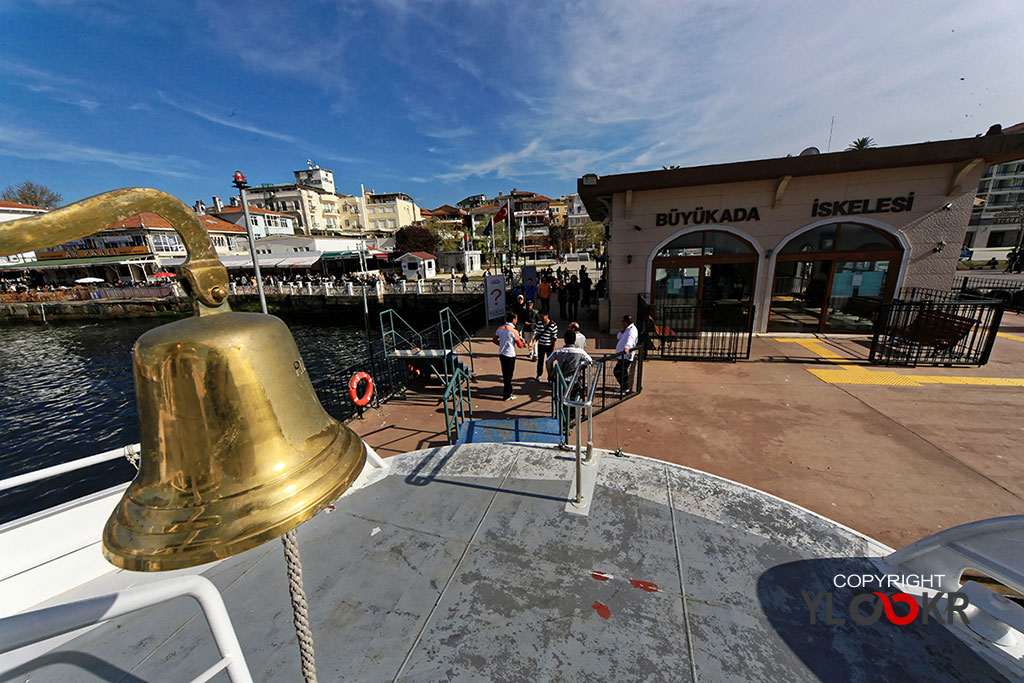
x,y
446,99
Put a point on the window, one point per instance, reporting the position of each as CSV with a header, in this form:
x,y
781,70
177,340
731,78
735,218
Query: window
x,y
253,220
218,240
1002,238
165,242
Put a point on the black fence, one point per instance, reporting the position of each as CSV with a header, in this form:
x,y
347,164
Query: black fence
x,y
391,376
713,330
929,327
1010,292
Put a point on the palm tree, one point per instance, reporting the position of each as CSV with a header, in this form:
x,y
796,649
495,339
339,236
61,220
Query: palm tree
x,y
861,143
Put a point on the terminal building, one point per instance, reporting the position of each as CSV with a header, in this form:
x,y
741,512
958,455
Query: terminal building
x,y
805,243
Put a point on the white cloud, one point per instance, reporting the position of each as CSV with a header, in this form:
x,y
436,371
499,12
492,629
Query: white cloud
x,y
56,87
202,110
695,83
23,143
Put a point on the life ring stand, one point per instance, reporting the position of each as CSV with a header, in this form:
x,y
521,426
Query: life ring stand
x,y
353,389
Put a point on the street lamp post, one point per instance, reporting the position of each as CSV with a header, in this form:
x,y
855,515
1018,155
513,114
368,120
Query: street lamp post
x,y
240,182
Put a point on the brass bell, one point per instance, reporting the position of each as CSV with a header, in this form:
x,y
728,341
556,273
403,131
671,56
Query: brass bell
x,y
236,448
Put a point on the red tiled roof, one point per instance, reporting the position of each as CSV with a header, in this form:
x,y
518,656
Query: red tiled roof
x,y
541,198
421,254
152,221
217,225
146,219
16,205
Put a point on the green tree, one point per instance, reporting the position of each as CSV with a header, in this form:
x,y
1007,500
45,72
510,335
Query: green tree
x,y
32,194
861,143
414,238
590,236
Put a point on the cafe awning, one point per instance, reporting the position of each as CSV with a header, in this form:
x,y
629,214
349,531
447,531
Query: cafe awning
x,y
77,263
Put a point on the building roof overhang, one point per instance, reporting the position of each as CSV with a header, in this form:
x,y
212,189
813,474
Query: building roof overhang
x,y
992,149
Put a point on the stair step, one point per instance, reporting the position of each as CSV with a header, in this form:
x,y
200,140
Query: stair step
x,y
527,430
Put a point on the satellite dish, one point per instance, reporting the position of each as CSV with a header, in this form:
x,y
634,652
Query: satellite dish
x,y
810,151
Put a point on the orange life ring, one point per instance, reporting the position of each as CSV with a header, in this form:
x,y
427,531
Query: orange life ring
x,y
353,388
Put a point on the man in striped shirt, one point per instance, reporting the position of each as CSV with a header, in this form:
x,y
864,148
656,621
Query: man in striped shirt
x,y
544,336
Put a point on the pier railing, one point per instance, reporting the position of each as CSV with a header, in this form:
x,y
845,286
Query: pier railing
x,y
1010,292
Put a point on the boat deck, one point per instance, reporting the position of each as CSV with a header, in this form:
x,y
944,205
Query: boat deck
x,y
467,562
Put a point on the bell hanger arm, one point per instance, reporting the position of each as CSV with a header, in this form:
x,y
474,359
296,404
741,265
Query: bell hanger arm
x,y
204,275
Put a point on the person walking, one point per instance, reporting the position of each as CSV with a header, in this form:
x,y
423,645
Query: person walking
x,y
563,302
529,322
545,334
626,345
507,339
1011,260
573,296
544,292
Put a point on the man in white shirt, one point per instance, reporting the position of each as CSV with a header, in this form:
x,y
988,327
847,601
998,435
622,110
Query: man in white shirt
x,y
568,358
626,345
507,339
581,341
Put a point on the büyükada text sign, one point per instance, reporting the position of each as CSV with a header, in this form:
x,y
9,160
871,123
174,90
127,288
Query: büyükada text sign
x,y
702,216
859,207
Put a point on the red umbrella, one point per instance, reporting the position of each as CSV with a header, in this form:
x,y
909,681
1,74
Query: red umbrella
x,y
165,274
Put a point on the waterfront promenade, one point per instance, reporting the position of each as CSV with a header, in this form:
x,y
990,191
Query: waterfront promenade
x,y
896,454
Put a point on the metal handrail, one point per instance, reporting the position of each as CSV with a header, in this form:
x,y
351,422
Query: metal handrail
x,y
33,627
447,315
393,334
454,419
129,452
580,405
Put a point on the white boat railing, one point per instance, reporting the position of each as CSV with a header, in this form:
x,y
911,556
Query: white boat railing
x,y
29,628
129,453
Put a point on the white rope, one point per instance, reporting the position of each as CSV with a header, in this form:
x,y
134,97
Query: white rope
x,y
300,609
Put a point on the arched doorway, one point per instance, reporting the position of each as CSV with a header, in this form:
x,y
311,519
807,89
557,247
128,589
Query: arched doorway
x,y
832,278
703,275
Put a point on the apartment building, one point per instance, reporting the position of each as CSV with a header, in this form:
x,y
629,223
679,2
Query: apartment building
x,y
389,211
530,210
312,201
995,225
264,222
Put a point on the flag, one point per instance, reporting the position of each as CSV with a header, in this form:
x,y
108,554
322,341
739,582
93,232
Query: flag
x,y
489,228
522,233
501,215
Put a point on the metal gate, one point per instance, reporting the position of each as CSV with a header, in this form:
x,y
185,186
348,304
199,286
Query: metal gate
x,y
711,330
926,327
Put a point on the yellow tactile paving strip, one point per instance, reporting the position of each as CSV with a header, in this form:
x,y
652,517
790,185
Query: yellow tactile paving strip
x,y
1007,335
854,374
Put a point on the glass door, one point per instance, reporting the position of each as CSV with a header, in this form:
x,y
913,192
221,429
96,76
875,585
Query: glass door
x,y
858,288
676,293
798,296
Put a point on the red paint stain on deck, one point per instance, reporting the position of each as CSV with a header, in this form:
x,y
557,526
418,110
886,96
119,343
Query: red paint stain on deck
x,y
602,610
644,585
600,576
